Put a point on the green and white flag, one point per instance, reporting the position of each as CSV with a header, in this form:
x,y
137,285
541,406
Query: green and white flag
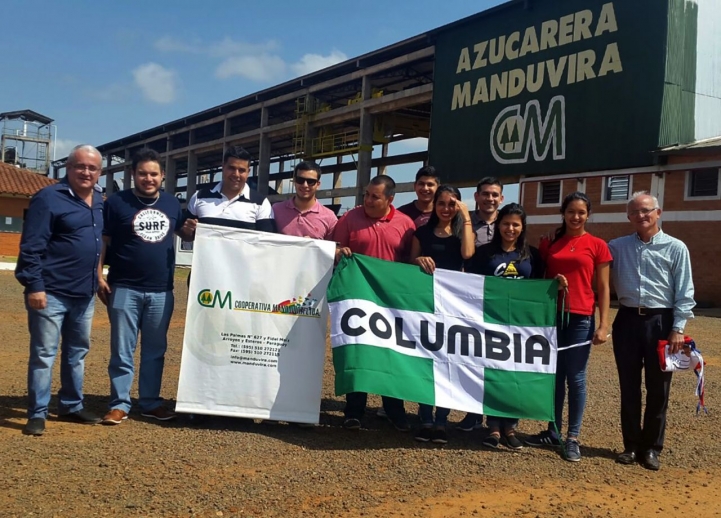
x,y
456,340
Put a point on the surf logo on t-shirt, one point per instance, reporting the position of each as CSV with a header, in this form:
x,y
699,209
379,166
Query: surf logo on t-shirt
x,y
507,270
151,225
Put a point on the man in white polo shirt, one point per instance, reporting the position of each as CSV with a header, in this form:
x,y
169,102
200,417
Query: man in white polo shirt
x,y
231,203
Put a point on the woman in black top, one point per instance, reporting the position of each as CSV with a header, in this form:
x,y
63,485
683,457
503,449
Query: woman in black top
x,y
509,256
446,241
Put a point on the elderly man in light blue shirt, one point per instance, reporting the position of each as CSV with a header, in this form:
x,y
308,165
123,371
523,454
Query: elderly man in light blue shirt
x,y
651,272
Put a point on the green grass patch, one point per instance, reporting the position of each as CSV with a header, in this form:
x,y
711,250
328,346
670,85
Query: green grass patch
x,y
182,273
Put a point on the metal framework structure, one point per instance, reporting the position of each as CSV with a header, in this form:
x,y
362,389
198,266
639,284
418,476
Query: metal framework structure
x,y
380,97
346,109
25,140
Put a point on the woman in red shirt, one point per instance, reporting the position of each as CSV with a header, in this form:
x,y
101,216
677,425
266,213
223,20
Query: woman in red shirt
x,y
576,258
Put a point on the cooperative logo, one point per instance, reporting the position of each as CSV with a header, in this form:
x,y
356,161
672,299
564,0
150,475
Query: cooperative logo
x,y
209,299
515,134
300,306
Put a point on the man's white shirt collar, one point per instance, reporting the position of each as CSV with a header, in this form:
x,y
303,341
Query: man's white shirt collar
x,y
245,192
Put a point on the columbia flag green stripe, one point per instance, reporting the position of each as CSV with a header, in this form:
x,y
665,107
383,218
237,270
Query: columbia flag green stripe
x,y
380,345
390,285
524,302
522,395
383,371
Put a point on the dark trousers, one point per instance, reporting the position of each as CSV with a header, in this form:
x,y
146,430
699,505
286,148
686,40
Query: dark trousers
x,y
635,339
355,406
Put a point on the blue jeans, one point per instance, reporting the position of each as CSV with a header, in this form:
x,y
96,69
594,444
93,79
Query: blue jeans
x,y
149,313
67,319
571,369
425,412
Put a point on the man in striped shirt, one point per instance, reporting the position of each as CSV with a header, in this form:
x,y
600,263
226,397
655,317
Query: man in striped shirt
x,y
651,272
231,203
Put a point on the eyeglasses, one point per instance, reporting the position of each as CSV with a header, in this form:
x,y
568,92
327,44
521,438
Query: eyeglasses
x,y
310,181
83,167
641,212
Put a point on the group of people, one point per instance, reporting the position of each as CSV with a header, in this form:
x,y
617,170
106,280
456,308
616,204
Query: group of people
x,y
70,232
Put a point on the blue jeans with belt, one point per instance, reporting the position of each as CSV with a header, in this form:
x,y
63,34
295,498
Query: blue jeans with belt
x,y
65,319
132,311
571,365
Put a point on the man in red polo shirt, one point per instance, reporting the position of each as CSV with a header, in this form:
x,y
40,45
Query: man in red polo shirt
x,y
376,229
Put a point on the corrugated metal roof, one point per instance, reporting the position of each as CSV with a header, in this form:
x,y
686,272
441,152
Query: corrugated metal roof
x,y
710,144
377,56
21,182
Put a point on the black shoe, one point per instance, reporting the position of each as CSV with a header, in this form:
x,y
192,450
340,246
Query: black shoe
x,y
650,460
470,422
423,434
81,416
572,450
512,442
492,441
352,424
34,426
543,439
627,457
439,436
400,423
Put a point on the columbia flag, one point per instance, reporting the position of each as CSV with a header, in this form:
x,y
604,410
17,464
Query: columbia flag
x,y
468,342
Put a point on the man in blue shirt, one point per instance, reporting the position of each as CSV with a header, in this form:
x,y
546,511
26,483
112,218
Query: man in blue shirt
x,y
652,275
138,246
59,255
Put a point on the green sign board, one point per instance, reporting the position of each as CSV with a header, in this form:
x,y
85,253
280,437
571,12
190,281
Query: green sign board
x,y
549,86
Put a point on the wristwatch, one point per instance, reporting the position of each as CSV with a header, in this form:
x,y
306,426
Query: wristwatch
x,y
678,330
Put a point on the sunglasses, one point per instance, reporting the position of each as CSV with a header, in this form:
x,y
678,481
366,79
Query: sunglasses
x,y
310,181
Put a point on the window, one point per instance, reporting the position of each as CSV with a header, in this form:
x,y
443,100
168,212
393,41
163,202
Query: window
x,y
11,224
703,183
550,193
617,188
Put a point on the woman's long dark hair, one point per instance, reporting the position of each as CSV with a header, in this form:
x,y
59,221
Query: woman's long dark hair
x,y
512,209
574,196
457,222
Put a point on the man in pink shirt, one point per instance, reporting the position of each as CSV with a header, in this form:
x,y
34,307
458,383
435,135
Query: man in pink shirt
x,y
303,215
376,229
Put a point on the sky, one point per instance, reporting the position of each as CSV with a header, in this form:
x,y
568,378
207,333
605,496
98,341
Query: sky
x,y
106,70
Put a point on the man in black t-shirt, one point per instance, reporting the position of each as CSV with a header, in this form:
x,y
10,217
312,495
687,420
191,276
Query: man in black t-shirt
x,y
139,225
420,210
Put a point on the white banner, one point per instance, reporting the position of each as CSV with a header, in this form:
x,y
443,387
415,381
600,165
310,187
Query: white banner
x,y
255,328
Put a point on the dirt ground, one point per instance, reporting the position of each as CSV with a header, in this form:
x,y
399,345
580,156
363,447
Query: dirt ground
x,y
229,468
